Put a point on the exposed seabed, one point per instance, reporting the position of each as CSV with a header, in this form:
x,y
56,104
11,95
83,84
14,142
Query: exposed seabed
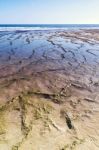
x,y
49,90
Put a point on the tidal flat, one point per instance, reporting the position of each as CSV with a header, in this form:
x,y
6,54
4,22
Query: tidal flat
x,y
49,90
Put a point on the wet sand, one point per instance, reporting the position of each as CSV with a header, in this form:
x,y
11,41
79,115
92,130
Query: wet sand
x,y
49,90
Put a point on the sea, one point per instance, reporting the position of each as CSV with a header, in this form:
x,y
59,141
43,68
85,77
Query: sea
x,y
11,27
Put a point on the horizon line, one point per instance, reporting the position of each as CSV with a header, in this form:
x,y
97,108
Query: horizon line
x,y
49,23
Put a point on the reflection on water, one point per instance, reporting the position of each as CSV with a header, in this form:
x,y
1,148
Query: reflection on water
x,y
49,81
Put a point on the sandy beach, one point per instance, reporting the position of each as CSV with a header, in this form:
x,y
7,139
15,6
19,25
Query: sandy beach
x,y
49,90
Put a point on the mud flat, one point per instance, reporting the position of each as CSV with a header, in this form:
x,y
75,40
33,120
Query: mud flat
x,y
49,90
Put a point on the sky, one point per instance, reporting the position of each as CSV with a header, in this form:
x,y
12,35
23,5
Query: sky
x,y
49,11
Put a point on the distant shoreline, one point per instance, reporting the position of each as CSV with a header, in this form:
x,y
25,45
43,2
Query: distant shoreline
x,y
14,27
49,25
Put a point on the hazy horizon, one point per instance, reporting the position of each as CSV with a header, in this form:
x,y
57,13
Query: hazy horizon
x,y
49,12
49,24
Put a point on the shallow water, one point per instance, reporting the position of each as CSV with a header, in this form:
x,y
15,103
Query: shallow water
x,y
58,67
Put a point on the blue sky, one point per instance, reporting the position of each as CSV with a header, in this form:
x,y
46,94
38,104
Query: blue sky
x,y
49,11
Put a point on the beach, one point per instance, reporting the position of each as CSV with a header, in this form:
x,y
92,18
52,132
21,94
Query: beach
x,y
49,89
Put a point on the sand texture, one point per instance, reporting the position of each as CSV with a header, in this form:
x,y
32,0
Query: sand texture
x,y
49,90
